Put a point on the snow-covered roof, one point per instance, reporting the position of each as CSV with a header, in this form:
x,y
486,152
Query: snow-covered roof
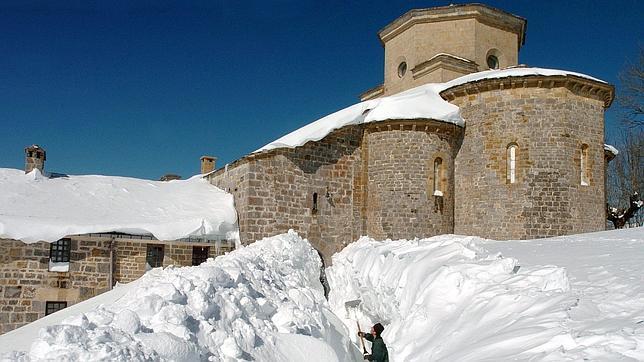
x,y
423,102
37,208
611,149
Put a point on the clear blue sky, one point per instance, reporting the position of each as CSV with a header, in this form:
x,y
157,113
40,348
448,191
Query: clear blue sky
x,y
145,89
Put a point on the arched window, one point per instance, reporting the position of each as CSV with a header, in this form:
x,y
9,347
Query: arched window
x,y
511,175
585,171
438,176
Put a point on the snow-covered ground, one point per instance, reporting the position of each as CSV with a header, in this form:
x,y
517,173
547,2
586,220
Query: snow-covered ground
x,y
454,298
37,208
446,298
263,302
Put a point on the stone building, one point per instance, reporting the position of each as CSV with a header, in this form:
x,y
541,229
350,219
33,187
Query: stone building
x,y
39,278
526,159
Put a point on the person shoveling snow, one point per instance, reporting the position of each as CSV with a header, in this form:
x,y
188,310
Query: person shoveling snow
x,y
378,347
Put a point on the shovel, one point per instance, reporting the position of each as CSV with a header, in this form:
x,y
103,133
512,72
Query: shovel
x,y
354,304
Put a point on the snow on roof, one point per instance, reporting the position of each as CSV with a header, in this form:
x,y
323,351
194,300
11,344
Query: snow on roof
x,y
419,102
512,72
37,208
423,102
611,149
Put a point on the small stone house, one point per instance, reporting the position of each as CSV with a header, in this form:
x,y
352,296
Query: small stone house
x,y
39,277
459,138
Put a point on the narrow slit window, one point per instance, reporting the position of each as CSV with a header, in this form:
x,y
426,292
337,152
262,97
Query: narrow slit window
x,y
585,174
314,208
438,176
512,164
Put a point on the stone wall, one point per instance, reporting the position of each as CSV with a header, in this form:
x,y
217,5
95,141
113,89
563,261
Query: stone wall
x,y
274,191
26,283
400,162
130,260
549,121
367,180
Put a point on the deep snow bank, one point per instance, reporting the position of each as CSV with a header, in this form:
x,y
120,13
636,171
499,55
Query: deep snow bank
x,y
448,299
263,302
37,208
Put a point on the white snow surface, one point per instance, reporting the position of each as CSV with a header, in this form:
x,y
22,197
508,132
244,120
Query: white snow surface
x,y
423,102
457,298
262,302
611,149
446,298
37,208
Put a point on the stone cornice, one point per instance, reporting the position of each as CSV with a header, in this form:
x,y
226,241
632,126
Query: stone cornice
x,y
578,85
483,13
445,61
372,93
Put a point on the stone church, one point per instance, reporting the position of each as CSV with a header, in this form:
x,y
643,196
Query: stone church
x,y
527,160
459,138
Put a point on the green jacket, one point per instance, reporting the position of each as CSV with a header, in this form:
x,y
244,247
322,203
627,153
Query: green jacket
x,y
378,349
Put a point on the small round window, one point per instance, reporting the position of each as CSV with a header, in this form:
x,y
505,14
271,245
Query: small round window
x,y
492,62
402,69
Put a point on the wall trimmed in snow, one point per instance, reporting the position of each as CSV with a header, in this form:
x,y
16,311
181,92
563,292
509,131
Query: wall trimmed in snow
x,y
372,178
26,283
549,119
274,191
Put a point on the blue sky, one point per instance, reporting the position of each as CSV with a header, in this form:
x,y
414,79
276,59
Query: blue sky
x,y
144,88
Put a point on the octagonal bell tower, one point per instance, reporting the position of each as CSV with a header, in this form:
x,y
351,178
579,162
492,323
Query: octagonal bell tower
x,y
439,44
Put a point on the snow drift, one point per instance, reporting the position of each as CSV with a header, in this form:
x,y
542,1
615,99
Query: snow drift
x,y
448,298
262,302
37,208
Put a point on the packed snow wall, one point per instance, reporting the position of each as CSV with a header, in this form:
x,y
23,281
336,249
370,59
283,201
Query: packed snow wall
x,y
263,302
446,299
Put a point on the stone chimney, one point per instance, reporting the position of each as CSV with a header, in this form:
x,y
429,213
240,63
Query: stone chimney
x,y
170,177
35,157
208,164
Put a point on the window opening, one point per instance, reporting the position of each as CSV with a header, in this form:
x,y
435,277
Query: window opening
x,y
154,256
438,176
512,164
585,174
52,307
199,254
492,61
402,69
60,250
314,209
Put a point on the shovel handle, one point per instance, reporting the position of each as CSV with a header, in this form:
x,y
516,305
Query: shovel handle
x,y
364,350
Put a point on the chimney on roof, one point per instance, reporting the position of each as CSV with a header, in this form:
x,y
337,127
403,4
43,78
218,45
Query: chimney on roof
x,y
208,164
35,157
170,177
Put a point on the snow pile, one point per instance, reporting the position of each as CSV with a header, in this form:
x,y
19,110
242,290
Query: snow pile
x,y
263,302
37,208
448,299
423,102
